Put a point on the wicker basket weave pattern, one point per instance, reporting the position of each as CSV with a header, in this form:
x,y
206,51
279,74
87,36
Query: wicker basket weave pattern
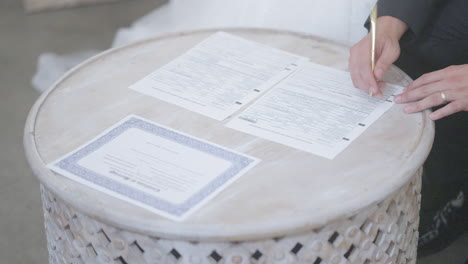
x,y
382,233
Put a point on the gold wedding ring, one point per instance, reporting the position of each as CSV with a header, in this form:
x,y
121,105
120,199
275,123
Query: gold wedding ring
x,y
444,97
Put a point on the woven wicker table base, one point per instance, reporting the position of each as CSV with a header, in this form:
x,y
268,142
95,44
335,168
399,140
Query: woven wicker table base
x,y
383,233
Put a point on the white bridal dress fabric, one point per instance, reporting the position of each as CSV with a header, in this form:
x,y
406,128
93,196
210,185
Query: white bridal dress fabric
x,y
338,20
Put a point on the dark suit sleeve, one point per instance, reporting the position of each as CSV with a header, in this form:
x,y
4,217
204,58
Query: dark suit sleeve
x,y
415,13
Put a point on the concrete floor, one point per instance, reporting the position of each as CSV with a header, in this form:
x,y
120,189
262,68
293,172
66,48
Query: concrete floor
x,y
22,39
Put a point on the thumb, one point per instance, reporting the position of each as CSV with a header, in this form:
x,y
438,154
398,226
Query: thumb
x,y
386,59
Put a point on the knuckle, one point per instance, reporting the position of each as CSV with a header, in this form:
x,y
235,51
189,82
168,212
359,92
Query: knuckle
x,y
414,95
418,82
455,79
450,68
423,92
417,107
423,78
435,99
450,71
446,70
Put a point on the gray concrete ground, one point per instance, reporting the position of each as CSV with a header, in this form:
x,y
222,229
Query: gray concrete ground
x,y
22,39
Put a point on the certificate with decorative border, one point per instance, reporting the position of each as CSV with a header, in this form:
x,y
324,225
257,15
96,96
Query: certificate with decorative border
x,y
155,167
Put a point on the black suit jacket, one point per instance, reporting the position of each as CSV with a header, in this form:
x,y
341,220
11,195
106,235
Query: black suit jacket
x,y
417,14
437,34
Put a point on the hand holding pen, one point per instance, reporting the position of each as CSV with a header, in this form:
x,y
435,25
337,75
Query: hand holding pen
x,y
369,60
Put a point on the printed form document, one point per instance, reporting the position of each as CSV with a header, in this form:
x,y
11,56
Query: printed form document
x,y
302,105
299,104
315,109
219,76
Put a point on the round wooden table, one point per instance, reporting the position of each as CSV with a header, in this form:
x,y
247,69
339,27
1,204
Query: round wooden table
x,y
294,207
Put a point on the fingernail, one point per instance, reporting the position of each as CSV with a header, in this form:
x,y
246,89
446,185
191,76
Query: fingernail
x,y
371,91
398,98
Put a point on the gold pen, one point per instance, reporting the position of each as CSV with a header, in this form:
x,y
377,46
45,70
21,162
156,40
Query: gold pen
x,y
373,21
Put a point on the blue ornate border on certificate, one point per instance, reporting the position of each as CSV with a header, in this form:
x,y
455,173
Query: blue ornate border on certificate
x,y
238,162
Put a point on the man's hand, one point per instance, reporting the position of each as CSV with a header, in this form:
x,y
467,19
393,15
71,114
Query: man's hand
x,y
389,32
425,92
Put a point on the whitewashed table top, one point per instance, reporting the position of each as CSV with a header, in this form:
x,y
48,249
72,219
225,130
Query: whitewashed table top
x,y
289,191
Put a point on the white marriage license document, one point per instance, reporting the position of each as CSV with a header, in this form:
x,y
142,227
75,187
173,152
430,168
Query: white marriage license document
x,y
219,76
315,109
155,167
298,103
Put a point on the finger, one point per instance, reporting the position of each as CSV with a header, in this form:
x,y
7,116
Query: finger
x,y
355,77
355,67
426,103
381,84
361,63
427,78
447,110
368,79
386,59
361,85
370,84
420,92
